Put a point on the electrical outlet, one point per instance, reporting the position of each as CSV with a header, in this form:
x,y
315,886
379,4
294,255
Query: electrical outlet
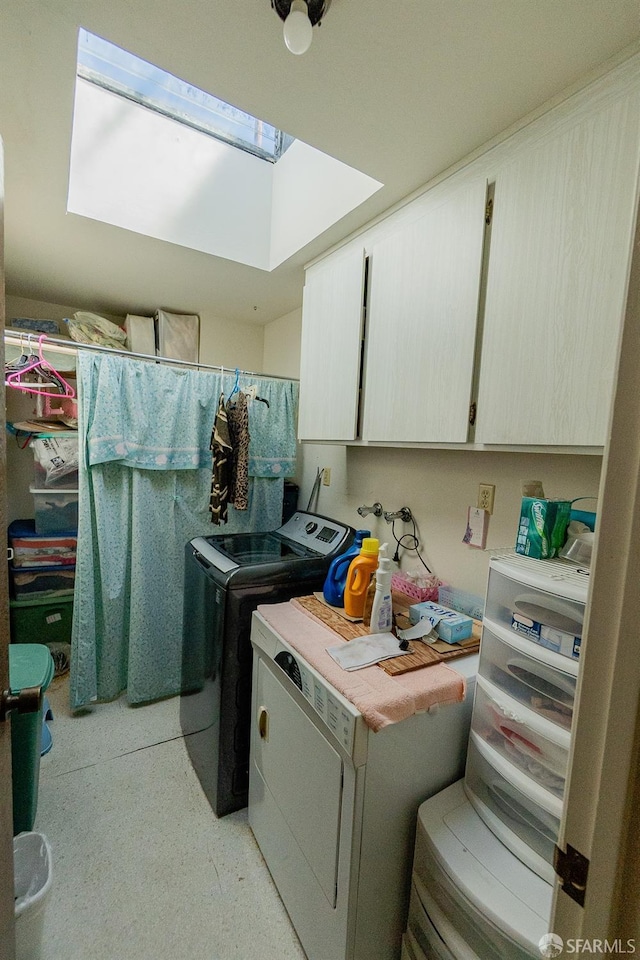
x,y
486,496
326,476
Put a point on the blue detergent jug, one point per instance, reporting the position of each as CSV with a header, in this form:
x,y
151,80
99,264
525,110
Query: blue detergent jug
x,y
333,590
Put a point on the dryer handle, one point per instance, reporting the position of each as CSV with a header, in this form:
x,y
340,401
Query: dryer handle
x,y
263,723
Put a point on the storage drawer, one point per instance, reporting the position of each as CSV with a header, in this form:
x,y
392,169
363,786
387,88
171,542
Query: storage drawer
x,y
41,621
546,606
440,918
411,951
422,941
443,933
540,679
56,511
524,816
538,747
43,582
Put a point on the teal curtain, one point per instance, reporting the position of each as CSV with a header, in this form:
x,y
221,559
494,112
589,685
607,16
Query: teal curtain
x,y
144,482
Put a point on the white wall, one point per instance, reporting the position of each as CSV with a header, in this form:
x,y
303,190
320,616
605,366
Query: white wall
x,y
437,485
282,345
230,343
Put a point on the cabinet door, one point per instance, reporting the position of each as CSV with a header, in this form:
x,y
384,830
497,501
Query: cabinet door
x,y
332,311
421,325
560,246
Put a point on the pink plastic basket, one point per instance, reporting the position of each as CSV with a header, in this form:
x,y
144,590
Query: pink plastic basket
x,y
401,583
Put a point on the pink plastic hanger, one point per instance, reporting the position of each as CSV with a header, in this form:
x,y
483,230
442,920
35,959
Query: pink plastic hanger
x,y
48,371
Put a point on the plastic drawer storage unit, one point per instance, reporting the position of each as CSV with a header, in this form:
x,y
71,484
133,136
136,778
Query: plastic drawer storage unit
x,y
523,708
471,898
56,511
30,665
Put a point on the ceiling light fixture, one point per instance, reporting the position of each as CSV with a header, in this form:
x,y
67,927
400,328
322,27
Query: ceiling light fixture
x,y
300,16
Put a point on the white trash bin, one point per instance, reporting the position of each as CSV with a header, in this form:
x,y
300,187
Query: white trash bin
x,y
32,883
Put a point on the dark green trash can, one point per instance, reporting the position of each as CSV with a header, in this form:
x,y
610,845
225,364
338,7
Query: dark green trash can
x,y
30,665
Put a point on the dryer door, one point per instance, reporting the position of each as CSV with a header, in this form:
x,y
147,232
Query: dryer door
x,y
303,773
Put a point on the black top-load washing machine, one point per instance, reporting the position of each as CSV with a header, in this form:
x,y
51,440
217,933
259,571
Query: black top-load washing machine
x,y
226,577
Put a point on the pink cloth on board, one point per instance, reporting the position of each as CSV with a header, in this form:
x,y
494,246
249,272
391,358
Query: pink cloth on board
x,y
380,698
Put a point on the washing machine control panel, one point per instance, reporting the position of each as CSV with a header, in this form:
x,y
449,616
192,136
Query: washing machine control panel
x,y
320,534
329,708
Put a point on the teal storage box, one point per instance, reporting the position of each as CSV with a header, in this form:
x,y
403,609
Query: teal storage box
x,y
450,625
41,620
30,665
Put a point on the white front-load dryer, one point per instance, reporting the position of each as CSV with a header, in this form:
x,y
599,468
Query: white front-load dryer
x,y
471,899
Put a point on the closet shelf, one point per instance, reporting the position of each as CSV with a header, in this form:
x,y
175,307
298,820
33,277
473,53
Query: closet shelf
x,y
31,428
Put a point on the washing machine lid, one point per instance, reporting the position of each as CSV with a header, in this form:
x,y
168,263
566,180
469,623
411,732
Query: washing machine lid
x,y
306,540
501,887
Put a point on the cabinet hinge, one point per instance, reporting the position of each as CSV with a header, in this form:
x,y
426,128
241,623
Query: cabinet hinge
x,y
488,212
572,867
473,409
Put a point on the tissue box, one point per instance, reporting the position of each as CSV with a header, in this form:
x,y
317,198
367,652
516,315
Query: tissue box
x,y
543,527
450,625
566,644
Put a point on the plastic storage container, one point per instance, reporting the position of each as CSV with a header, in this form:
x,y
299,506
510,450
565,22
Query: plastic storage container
x,y
538,678
524,816
55,511
41,620
33,876
30,665
334,584
40,482
519,597
43,582
55,459
31,549
536,746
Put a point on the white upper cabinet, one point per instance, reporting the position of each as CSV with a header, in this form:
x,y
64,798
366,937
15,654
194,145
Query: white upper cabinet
x,y
522,317
558,261
421,319
332,311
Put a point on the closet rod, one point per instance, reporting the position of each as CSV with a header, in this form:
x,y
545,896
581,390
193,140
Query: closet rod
x,y
72,347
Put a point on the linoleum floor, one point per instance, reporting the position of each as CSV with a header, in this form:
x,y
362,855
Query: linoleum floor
x,y
141,866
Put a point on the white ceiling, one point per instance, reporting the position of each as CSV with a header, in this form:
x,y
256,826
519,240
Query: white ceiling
x,y
397,90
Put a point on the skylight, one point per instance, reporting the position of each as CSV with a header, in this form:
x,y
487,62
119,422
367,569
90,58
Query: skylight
x,y
114,69
157,156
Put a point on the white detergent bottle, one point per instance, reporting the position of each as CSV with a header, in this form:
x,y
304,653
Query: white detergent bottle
x,y
381,611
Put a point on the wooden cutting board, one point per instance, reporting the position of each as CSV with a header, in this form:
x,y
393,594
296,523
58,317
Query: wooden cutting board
x,y
420,655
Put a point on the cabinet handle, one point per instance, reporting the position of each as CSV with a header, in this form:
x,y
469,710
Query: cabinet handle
x,y
263,723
